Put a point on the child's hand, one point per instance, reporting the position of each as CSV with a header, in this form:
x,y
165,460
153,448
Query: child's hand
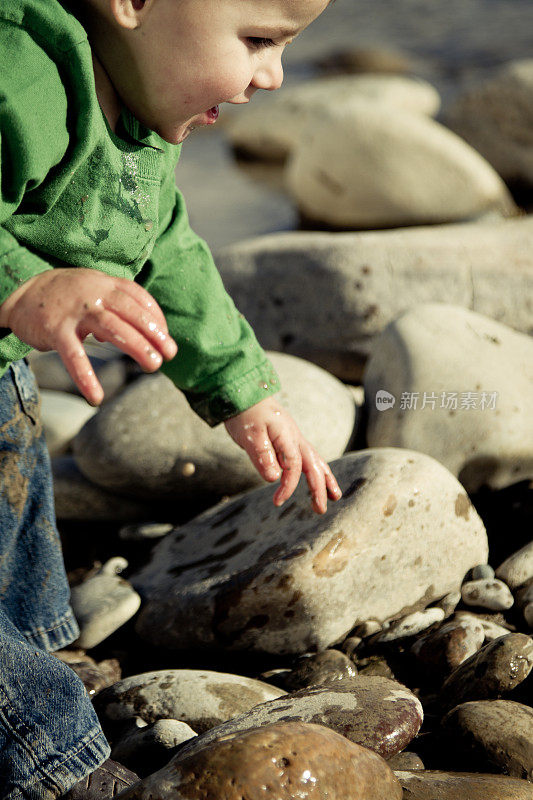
x,y
57,309
276,447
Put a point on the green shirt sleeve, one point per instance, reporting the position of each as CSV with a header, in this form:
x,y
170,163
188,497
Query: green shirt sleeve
x,y
32,109
220,366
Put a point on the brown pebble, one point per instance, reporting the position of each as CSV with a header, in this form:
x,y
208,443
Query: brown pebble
x,y
432,785
284,761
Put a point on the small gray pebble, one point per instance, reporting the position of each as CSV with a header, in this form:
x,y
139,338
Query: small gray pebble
x,y
482,571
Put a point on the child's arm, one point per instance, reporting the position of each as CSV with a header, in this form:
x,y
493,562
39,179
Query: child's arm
x,y
276,447
57,309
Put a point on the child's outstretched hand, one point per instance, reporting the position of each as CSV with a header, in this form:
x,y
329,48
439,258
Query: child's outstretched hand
x,y
57,309
276,447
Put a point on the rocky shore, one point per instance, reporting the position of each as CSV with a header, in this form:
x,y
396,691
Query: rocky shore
x,y
384,650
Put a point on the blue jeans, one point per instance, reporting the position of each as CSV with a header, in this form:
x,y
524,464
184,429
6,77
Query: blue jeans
x,y
50,737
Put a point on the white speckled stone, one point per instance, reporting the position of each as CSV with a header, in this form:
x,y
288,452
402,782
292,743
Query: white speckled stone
x,y
496,118
201,698
441,349
426,173
63,415
342,289
285,580
411,624
491,629
144,441
518,568
487,593
375,712
271,128
101,605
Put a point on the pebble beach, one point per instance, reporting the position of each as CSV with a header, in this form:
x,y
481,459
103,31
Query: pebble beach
x,y
372,221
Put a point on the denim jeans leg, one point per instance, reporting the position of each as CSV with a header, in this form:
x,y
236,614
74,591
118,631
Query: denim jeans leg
x,y
50,736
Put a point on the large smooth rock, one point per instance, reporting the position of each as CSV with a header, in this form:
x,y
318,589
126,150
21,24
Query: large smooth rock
x,y
374,712
285,761
498,733
248,575
432,785
376,166
271,129
496,117
149,443
471,380
201,698
326,296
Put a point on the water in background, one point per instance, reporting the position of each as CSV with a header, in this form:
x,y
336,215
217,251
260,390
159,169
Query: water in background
x,y
451,43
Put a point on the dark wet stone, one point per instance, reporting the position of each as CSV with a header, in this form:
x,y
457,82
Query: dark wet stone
x,y
492,672
432,785
331,666
405,761
201,698
449,646
374,666
375,712
282,761
497,733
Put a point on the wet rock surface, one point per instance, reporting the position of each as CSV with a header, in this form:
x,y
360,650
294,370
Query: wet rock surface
x,y
419,358
172,453
331,666
374,712
246,575
201,698
495,734
147,748
287,761
492,672
450,645
431,785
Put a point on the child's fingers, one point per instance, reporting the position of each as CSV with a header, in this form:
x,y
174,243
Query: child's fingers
x,y
108,327
79,367
257,444
290,460
144,299
334,490
313,467
145,321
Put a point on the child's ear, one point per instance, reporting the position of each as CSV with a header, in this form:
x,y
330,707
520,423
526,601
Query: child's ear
x,y
129,13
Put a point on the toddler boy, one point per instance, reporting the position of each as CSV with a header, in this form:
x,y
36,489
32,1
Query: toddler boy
x,y
95,98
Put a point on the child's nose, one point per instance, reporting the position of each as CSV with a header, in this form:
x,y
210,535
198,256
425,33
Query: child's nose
x,y
268,75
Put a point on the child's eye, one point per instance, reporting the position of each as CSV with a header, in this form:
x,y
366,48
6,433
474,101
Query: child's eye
x,y
258,41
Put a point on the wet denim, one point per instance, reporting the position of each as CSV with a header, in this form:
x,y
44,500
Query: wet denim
x,y
50,736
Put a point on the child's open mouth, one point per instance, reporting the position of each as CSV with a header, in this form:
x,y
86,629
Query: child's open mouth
x,y
212,115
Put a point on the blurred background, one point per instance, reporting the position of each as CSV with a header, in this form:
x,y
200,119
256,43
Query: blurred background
x,y
453,44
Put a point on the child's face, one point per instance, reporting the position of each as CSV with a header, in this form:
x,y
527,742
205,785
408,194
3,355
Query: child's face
x,y
177,60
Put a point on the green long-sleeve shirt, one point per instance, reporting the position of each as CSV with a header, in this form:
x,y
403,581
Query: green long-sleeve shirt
x,y
73,193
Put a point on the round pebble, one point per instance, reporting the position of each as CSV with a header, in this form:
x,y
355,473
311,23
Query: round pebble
x,y
518,568
411,625
487,593
482,571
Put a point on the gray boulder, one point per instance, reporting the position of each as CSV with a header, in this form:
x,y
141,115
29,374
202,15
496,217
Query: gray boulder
x,y
496,118
376,166
149,443
462,385
326,296
248,575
